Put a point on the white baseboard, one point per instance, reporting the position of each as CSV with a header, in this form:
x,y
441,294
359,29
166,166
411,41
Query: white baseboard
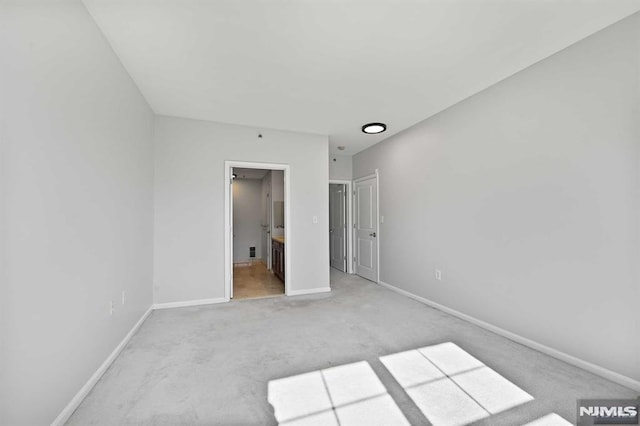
x,y
248,262
84,391
309,291
187,303
570,359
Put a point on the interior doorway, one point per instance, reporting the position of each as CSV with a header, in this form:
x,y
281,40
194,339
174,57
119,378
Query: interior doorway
x,y
340,226
256,217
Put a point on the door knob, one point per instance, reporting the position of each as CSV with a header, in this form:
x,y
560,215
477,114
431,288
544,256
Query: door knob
x,y
373,235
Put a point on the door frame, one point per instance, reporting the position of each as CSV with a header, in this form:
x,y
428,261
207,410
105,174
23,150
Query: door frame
x,y
228,221
349,217
269,209
375,175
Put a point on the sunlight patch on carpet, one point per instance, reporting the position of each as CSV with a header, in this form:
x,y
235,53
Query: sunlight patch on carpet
x,y
450,386
348,395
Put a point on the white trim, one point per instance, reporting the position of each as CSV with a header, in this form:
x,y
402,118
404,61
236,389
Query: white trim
x,y
378,222
186,303
75,402
562,356
249,262
372,175
228,241
84,391
309,291
349,189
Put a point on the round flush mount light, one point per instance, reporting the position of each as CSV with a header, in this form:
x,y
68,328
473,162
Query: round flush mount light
x,y
341,148
374,128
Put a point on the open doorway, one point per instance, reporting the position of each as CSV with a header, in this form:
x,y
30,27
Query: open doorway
x,y
340,225
256,217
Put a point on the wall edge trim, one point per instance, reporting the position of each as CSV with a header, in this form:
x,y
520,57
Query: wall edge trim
x,y
187,303
77,399
309,291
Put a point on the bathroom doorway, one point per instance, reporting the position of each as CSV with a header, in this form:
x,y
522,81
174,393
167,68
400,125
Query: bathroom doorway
x,y
256,233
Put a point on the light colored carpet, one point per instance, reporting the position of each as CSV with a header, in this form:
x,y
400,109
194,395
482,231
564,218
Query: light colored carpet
x,y
213,365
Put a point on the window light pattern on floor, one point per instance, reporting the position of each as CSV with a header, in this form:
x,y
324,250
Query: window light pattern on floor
x,y
348,395
450,386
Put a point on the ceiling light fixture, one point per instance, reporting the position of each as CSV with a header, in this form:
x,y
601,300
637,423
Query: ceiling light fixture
x,y
374,128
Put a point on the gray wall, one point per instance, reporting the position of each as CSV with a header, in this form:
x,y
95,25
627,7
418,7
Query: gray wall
x,y
247,217
189,204
526,196
265,183
340,167
4,290
77,186
277,194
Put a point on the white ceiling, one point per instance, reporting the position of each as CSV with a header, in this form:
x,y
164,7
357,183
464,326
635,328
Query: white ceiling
x,y
330,66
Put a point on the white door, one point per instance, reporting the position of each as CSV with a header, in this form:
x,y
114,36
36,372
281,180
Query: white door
x,y
366,228
338,226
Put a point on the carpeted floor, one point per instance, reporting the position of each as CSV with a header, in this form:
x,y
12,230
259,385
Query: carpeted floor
x,y
213,365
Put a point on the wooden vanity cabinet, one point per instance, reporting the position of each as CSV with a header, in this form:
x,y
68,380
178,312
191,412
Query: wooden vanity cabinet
x,y
277,258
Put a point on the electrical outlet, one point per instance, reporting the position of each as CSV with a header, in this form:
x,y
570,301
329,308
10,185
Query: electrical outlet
x,y
111,308
438,275
315,219
124,297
